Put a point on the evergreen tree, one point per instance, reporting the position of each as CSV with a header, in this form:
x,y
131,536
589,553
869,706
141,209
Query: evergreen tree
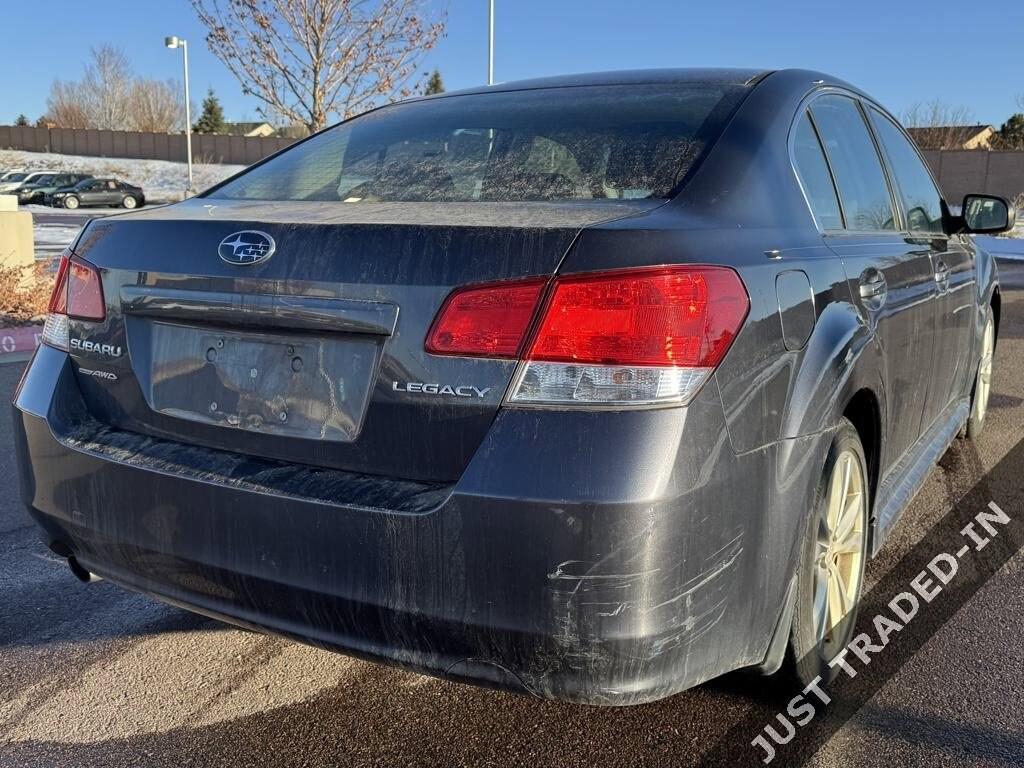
x,y
212,118
434,85
1011,135
22,120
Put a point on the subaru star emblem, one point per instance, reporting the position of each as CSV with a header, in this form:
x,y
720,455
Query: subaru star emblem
x,y
247,247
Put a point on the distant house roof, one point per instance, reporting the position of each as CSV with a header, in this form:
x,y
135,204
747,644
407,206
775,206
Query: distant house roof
x,y
953,136
250,129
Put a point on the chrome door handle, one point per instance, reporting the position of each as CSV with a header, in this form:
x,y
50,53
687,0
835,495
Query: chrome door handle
x,y
941,273
872,284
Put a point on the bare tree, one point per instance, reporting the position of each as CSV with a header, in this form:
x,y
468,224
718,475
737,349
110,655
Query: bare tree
x,y
106,88
110,96
100,99
938,125
65,106
306,60
155,106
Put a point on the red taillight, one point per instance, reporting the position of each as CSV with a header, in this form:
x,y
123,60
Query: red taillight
x,y
59,296
485,320
77,293
85,292
636,337
682,316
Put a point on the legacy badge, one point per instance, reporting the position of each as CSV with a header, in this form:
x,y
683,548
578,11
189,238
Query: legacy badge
x,y
461,390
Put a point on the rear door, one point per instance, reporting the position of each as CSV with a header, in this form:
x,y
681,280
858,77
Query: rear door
x,y
890,277
952,263
91,193
110,194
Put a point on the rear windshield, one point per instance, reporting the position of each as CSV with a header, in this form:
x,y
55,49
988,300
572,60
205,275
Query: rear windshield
x,y
584,143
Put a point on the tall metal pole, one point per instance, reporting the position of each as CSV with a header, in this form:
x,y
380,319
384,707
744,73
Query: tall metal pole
x,y
188,118
490,44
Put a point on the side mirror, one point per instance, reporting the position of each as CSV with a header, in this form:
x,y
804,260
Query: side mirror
x,y
987,215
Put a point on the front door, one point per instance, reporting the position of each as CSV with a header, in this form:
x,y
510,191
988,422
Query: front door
x,y
952,264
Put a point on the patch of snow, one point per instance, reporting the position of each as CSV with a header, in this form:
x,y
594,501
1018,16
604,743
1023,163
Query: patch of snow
x,y
161,180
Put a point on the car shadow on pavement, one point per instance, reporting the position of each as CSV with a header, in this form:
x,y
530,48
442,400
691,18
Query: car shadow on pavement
x,y
385,716
949,736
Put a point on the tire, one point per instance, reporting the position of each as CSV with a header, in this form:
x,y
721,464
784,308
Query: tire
x,y
129,202
71,203
827,595
982,380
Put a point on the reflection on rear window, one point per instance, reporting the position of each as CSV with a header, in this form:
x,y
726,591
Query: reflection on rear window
x,y
586,143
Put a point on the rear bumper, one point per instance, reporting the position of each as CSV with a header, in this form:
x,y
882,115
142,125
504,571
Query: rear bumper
x,y
607,570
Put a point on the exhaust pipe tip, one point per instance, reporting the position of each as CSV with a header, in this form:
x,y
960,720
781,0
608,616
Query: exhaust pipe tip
x,y
81,573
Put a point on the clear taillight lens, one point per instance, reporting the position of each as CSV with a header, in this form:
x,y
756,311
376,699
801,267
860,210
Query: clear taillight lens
x,y
77,293
55,331
631,338
612,385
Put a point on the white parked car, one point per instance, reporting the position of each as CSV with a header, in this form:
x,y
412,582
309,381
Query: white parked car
x,y
5,175
13,180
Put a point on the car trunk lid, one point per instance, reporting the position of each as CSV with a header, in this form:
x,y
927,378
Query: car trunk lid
x,y
315,354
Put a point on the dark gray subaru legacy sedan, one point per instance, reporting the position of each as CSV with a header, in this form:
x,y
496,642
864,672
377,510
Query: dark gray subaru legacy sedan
x,y
594,387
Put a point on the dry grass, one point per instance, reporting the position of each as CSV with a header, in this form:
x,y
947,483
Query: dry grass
x,y
24,293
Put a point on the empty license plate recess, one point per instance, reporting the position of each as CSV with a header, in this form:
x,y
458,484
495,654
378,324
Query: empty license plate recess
x,y
299,386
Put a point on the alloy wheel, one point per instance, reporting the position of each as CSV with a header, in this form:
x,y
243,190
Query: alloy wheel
x,y
839,551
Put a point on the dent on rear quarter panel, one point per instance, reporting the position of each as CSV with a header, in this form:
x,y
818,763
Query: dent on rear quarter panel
x,y
687,572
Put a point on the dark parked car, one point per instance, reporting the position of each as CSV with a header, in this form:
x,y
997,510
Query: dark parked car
x,y
596,387
93,192
39,190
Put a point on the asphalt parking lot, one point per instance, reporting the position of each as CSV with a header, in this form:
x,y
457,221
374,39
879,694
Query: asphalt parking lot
x,y
91,675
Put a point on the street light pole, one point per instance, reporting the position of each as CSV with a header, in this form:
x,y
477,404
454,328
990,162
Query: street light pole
x,y
177,42
490,44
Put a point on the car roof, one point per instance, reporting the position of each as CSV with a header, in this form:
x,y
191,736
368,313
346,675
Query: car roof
x,y
709,76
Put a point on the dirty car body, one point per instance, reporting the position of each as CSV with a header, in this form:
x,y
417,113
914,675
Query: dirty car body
x,y
279,404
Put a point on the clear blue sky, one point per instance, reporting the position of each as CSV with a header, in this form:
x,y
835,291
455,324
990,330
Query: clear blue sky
x,y
969,54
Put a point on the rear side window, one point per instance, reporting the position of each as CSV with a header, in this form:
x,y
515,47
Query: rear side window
x,y
855,164
921,199
584,143
814,175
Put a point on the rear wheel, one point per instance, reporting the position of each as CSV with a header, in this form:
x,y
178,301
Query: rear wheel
x,y
831,571
982,380
129,202
71,202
